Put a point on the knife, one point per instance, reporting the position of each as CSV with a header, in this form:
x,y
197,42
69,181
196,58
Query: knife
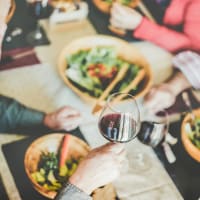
x,y
7,59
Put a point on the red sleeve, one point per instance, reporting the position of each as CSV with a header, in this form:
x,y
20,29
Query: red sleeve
x,y
172,40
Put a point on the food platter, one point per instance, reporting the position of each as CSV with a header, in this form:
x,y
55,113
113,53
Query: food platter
x,y
123,49
191,149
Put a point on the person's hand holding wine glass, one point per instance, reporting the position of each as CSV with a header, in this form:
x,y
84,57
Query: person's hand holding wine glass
x,y
120,121
154,131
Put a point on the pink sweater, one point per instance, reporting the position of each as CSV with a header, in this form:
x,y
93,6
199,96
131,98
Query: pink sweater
x,y
185,12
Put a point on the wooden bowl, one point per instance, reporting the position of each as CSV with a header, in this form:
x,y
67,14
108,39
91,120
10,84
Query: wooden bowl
x,y
191,149
124,50
11,11
105,7
51,143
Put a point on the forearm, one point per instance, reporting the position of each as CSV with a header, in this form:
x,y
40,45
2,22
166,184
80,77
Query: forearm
x,y
71,192
162,36
15,115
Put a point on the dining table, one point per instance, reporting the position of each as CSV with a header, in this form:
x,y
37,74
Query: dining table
x,y
40,87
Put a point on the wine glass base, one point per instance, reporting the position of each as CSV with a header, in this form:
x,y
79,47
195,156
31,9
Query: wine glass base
x,y
139,162
35,38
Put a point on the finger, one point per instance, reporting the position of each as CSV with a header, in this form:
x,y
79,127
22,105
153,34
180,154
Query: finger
x,y
115,23
154,100
121,9
150,94
68,111
121,157
116,147
117,19
70,127
116,9
71,121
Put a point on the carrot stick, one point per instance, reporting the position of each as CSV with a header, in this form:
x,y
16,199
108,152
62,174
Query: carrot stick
x,y
64,150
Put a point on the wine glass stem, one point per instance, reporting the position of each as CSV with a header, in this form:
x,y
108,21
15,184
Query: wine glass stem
x,y
38,33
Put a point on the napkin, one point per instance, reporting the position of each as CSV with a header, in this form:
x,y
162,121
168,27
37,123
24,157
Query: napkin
x,y
18,57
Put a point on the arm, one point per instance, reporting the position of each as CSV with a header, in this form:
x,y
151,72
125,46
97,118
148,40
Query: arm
x,y
100,167
15,115
170,39
164,95
71,192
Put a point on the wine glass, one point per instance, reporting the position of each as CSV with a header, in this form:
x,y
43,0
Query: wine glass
x,y
153,132
119,121
38,9
154,129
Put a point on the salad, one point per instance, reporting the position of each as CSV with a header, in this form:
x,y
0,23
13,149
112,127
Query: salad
x,y
94,69
54,169
193,131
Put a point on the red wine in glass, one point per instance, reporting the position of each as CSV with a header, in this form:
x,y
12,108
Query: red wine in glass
x,y
152,133
119,121
118,127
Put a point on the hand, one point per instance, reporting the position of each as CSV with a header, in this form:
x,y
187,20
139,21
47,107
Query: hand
x,y
66,118
124,17
100,167
4,9
159,98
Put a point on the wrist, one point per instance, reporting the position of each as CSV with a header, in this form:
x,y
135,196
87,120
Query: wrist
x,y
178,83
47,121
80,183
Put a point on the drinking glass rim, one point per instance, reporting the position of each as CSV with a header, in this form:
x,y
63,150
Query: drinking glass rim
x,y
122,93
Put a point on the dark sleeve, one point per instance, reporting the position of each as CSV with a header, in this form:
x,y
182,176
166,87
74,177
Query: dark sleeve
x,y
15,115
71,192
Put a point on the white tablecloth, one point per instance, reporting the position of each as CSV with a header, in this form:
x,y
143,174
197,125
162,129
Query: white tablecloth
x,y
41,87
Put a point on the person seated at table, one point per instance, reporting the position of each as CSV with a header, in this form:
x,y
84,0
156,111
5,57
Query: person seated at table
x,y
15,115
188,75
184,13
101,166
